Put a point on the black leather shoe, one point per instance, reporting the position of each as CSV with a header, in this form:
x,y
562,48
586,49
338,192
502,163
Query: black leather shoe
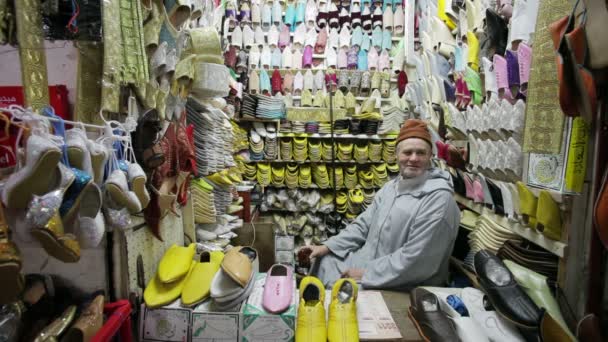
x,y
507,297
432,323
497,32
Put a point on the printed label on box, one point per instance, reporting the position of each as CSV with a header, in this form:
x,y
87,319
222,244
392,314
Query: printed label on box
x,y
208,327
165,324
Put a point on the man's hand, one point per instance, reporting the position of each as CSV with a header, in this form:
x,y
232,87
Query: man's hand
x,y
316,251
355,273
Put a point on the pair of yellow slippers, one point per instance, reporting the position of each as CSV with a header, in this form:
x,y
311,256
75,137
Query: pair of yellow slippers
x,y
179,275
342,325
541,213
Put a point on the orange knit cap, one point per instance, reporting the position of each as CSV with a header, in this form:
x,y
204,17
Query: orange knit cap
x,y
414,128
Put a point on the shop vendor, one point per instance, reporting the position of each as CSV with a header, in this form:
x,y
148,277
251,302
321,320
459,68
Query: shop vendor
x,y
405,238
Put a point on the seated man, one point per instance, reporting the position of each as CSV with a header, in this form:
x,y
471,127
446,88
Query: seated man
x,y
405,237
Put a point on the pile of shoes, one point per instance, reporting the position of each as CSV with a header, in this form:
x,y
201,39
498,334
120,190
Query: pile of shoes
x,y
366,178
320,176
342,324
250,103
300,149
392,120
270,107
213,137
375,151
256,146
222,229
286,148
298,127
530,256
240,137
354,204
277,175
511,298
324,127
52,312
233,282
511,203
314,150
389,150
203,201
309,229
361,153
341,126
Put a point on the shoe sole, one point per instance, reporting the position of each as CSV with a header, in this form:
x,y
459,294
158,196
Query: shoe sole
x,y
121,198
409,313
139,188
36,183
54,247
12,281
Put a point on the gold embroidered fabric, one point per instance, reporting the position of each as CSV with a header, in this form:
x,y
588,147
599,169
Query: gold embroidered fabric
x,y
544,123
125,61
313,114
112,56
32,54
88,87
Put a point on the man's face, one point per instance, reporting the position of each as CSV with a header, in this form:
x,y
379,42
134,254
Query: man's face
x,y
414,156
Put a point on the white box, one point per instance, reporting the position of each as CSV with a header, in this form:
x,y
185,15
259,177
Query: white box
x,y
259,325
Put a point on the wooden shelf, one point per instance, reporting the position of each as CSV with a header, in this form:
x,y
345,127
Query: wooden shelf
x,y
556,247
316,162
339,136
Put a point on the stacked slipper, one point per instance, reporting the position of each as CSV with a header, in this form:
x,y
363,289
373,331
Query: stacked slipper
x,y
320,176
291,176
278,175
366,178
350,178
305,176
300,149
203,201
234,281
298,127
345,151
375,151
326,146
270,107
311,127
314,150
341,126
388,153
380,174
361,153
263,175
286,148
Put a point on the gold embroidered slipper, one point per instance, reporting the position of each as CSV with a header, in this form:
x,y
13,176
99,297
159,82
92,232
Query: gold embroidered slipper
x,y
10,265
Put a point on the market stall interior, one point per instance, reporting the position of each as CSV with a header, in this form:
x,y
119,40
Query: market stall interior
x,y
308,170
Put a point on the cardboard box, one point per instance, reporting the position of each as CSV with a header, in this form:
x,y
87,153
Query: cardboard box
x,y
210,325
258,325
174,323
170,323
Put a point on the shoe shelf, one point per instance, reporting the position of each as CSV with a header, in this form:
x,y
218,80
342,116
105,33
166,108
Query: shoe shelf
x,y
246,119
556,247
358,98
292,34
338,136
316,187
315,162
